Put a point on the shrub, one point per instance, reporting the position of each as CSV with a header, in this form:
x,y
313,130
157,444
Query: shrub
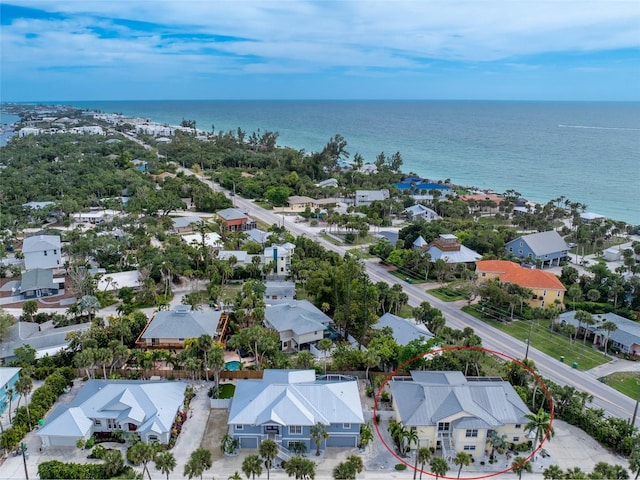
x,y
400,467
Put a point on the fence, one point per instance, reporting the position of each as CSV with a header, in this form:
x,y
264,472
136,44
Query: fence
x,y
135,374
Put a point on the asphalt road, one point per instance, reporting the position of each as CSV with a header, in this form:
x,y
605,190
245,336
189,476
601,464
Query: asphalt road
x,y
611,401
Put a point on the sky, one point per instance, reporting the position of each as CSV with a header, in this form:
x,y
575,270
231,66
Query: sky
x,y
76,50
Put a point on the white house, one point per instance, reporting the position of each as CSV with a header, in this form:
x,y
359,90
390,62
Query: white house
x,y
281,256
42,251
298,322
367,197
418,210
144,408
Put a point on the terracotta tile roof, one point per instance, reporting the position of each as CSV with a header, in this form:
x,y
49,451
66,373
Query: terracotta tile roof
x,y
510,272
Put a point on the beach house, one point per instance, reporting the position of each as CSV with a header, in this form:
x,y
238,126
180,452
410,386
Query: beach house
x,y
235,220
547,248
145,409
453,413
42,251
298,322
547,289
285,404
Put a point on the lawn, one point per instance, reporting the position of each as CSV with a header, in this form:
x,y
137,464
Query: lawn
x,y
625,382
447,293
227,390
551,343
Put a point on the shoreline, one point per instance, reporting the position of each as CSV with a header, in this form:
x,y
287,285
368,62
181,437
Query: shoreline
x,y
628,215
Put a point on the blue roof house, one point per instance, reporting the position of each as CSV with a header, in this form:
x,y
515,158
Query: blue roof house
x,y
285,404
8,378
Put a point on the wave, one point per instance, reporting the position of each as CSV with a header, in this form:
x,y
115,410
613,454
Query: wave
x,y
599,128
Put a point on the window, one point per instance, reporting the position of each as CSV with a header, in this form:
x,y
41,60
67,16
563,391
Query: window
x,y
45,253
471,433
484,274
295,430
346,426
97,422
239,427
511,249
55,252
516,439
518,425
520,251
443,426
544,293
558,293
469,448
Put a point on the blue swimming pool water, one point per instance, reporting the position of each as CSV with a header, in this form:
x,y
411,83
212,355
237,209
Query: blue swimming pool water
x,y
233,365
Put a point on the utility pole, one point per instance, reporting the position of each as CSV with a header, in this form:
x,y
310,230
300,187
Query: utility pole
x,y
23,447
635,413
526,352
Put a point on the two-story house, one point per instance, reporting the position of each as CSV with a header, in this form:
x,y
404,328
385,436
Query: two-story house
x,y
235,220
547,289
8,378
281,257
546,247
42,251
453,413
285,404
298,322
419,211
146,409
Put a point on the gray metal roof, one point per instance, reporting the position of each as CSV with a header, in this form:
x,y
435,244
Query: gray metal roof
x,y
43,341
543,243
182,322
299,316
183,222
37,278
404,330
628,331
428,399
150,405
6,374
464,255
40,243
277,399
232,214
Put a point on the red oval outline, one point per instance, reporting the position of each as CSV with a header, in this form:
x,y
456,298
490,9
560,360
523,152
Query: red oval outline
x,y
454,348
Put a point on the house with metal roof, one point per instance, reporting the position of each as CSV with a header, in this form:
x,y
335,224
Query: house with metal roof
x,y
404,330
367,197
626,338
146,409
419,211
298,322
454,413
446,247
169,329
42,251
285,404
38,283
8,378
547,289
185,224
279,292
235,220
546,247
281,257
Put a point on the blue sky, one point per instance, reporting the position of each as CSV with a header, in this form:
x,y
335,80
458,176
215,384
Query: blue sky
x,y
297,49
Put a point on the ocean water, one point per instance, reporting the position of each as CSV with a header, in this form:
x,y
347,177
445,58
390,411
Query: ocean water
x,y
587,151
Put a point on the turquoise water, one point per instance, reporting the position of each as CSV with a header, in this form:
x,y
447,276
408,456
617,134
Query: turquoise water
x,y
587,151
232,366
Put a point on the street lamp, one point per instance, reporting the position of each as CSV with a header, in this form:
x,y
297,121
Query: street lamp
x,y
528,340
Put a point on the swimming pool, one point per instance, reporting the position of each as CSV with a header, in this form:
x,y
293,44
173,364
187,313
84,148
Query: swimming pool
x,y
232,365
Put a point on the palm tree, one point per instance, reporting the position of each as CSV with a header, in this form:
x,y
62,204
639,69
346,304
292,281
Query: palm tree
x,y
324,346
216,362
497,441
318,434
540,423
89,304
348,469
366,435
608,327
520,465
165,462
199,461
268,451
439,467
113,462
203,344
301,468
252,466
553,472
462,459
10,392
142,453
235,476
23,386
423,456
410,435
